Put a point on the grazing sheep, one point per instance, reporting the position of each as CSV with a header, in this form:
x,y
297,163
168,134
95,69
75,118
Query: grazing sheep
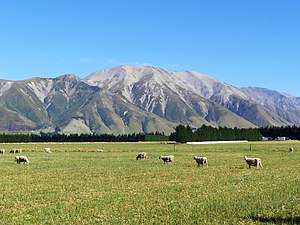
x,y
47,150
167,158
2,151
22,159
142,155
291,149
253,162
201,160
15,151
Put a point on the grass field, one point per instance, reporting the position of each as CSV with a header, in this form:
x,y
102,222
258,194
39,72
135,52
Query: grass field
x,y
78,184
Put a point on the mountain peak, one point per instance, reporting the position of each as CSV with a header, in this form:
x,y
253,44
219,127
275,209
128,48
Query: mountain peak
x,y
68,77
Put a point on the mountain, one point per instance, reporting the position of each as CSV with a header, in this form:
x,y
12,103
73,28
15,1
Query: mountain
x,y
174,96
128,99
282,104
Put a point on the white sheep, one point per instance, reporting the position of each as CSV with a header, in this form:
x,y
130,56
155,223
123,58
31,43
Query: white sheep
x,y
141,155
253,162
167,158
2,151
291,149
47,150
201,160
21,159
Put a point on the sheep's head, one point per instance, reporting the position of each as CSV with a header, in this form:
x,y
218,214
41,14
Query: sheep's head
x,y
245,157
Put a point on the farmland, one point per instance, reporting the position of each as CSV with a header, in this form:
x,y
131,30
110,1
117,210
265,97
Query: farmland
x,y
80,184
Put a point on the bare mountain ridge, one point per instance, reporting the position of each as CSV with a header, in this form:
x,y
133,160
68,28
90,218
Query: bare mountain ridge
x,y
128,99
183,84
284,105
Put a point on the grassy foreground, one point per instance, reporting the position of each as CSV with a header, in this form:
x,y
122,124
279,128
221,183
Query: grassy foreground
x,y
79,184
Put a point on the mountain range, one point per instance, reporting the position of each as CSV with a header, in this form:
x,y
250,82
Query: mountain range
x,y
132,99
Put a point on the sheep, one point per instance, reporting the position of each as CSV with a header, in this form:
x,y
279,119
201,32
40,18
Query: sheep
x,y
201,160
141,155
47,150
291,149
21,159
18,150
15,151
167,158
2,151
253,162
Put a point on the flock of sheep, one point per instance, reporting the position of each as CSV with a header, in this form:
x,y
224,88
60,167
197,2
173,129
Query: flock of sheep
x,y
201,160
21,158
255,162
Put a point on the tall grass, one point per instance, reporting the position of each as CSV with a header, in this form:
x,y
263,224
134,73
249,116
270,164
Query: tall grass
x,y
79,184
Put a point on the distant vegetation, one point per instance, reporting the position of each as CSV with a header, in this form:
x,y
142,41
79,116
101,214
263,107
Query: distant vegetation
x,y
182,134
292,132
17,138
208,133
156,137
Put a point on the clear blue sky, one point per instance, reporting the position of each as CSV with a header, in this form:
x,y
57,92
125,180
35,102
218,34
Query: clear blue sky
x,y
243,43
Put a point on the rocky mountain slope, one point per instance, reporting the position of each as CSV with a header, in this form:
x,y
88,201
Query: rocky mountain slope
x,y
129,99
284,105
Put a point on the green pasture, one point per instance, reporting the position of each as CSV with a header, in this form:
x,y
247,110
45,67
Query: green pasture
x,y
103,183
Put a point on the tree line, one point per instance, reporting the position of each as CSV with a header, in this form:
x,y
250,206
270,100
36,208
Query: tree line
x,y
292,132
56,137
182,134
